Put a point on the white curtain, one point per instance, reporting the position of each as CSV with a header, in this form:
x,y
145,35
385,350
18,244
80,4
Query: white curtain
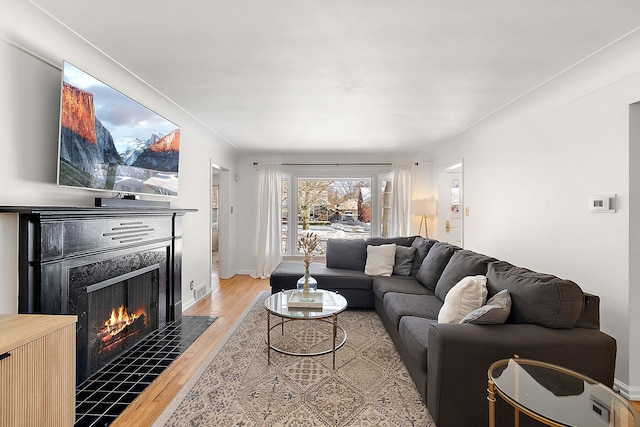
x,y
269,241
401,200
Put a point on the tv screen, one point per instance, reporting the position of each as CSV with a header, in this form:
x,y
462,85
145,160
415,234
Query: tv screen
x,y
108,141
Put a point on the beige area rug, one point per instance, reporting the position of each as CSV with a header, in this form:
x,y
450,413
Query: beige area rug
x,y
236,387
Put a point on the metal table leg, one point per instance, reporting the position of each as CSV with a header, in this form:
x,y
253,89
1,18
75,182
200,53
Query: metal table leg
x,y
492,404
335,331
268,337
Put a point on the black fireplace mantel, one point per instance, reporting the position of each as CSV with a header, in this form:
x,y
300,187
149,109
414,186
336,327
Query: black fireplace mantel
x,y
52,238
67,253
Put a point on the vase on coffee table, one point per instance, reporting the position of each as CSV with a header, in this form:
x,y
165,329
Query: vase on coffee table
x,y
307,286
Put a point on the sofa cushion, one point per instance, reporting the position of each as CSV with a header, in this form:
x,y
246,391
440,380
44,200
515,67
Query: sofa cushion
x,y
538,298
494,312
468,294
400,241
463,263
434,263
350,254
380,260
402,284
404,260
422,246
413,333
287,273
397,305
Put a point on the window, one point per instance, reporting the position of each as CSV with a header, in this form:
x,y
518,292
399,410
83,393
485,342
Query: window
x,y
385,215
332,207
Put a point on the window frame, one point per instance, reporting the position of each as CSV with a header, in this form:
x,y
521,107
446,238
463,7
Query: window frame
x,y
375,173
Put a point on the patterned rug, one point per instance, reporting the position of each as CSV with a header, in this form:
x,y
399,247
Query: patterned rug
x,y
236,387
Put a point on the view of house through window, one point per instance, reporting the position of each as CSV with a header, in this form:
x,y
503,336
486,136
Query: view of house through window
x,y
331,208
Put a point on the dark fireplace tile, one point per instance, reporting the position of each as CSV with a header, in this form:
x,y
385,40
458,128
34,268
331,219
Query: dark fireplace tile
x,y
104,395
84,395
127,398
100,408
87,420
157,370
124,387
120,377
99,396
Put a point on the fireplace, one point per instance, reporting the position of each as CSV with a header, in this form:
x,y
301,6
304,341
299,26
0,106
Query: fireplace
x,y
120,313
118,270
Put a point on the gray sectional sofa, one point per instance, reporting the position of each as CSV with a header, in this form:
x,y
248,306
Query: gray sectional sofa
x,y
549,319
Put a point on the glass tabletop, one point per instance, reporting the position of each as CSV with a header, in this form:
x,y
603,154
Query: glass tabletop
x,y
332,303
560,395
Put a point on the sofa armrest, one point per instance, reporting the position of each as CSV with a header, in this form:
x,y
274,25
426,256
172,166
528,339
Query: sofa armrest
x,y
591,314
459,356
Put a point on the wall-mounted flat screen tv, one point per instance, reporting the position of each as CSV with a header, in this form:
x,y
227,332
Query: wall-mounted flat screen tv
x,y
108,141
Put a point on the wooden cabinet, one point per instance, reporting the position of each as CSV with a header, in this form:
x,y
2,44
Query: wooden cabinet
x,y
37,370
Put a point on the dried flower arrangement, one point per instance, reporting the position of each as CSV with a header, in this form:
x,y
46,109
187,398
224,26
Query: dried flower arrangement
x,y
307,244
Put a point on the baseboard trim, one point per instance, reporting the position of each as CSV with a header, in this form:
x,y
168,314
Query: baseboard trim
x,y
626,391
187,304
251,273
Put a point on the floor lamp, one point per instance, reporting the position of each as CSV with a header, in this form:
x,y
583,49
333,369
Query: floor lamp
x,y
424,208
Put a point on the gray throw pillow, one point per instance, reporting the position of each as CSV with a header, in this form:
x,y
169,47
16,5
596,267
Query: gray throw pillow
x,y
422,246
404,260
462,264
494,312
434,263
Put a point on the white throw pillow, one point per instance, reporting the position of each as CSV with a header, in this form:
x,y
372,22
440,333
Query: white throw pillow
x,y
380,260
467,295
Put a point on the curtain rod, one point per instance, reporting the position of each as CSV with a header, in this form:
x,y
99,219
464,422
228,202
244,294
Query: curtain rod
x,y
335,164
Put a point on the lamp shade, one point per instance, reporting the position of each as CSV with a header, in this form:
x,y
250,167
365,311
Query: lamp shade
x,y
423,207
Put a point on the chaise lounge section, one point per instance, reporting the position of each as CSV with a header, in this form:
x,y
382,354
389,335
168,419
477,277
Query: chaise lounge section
x,y
517,311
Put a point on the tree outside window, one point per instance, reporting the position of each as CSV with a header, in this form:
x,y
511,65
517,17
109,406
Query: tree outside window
x,y
331,208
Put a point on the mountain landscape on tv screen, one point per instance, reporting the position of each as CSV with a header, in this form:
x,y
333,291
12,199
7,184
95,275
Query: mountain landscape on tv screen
x,y
90,158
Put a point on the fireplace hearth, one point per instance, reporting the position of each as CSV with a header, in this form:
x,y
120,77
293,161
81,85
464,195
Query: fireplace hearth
x,y
118,270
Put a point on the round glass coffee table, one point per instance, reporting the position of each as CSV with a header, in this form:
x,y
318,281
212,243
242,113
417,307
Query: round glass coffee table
x,y
332,305
556,396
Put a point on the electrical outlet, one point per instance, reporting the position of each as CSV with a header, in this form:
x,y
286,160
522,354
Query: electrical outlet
x,y
466,211
191,285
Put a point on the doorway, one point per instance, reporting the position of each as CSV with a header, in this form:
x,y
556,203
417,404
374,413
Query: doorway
x,y
215,227
451,204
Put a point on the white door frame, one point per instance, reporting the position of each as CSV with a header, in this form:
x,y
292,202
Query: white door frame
x,y
443,214
223,220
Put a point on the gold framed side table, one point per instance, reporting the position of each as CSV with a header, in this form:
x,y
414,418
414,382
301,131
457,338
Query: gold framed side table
x,y
556,396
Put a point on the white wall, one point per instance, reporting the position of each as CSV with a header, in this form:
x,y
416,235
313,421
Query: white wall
x,y
32,48
421,176
529,171
634,244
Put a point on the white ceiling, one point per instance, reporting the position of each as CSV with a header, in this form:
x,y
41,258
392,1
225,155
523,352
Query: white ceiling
x,y
345,75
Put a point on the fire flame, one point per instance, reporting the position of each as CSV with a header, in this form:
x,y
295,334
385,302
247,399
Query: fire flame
x,y
119,320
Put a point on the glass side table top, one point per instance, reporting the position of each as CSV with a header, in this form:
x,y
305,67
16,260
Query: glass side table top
x,y
332,303
559,395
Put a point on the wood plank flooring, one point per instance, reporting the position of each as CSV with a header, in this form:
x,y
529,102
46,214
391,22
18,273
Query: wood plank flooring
x,y
228,300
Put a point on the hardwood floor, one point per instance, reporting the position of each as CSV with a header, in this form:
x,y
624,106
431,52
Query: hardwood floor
x,y
228,300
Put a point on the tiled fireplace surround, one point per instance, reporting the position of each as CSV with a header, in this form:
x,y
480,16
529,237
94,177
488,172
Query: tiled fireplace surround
x,y
75,260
